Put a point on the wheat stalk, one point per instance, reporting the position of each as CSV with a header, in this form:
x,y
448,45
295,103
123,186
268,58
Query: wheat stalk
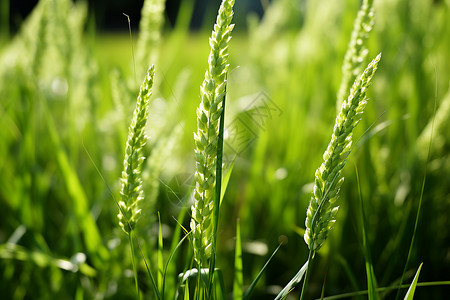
x,y
212,93
321,213
131,191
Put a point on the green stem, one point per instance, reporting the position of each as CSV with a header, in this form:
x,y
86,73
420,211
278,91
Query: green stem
x,y
133,259
310,258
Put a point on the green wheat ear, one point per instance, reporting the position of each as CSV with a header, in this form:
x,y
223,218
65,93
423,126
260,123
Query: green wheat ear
x,y
321,213
132,192
212,93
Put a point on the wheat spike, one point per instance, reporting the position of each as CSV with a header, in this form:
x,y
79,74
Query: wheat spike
x,y
321,213
132,192
212,93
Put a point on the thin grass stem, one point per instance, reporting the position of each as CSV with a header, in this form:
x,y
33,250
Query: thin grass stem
x,y
371,281
133,261
305,280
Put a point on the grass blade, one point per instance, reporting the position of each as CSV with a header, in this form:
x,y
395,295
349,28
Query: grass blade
x,y
170,259
133,260
294,281
160,261
371,280
410,294
386,289
238,282
169,273
252,286
226,178
219,276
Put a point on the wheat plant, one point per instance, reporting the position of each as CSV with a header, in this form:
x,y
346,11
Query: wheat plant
x,y
132,191
321,214
322,211
212,93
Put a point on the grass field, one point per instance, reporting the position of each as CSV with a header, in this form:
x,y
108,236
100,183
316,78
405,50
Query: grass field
x,y
67,96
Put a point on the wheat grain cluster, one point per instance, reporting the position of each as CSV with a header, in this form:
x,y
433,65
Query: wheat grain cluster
x,y
132,190
212,94
320,216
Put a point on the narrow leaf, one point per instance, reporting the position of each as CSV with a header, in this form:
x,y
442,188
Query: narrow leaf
x,y
294,281
238,282
410,294
160,262
226,178
371,280
252,286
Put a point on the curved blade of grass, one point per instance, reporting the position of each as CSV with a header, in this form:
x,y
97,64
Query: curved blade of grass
x,y
294,281
149,273
226,178
252,286
131,44
371,280
169,273
308,267
169,260
238,282
410,294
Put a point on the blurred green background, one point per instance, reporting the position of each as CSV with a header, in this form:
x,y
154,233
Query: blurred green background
x,y
67,92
